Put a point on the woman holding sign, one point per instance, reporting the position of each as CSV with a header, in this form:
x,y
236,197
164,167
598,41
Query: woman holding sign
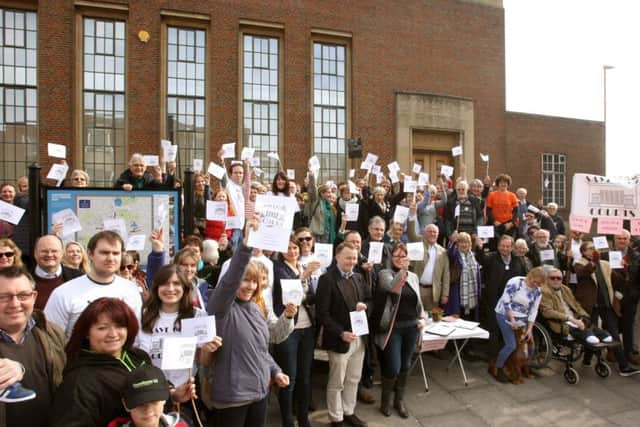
x,y
295,355
396,322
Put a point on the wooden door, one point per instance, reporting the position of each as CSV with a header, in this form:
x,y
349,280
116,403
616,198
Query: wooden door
x,y
432,161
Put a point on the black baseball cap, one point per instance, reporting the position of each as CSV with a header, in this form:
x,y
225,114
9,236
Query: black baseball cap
x,y
145,384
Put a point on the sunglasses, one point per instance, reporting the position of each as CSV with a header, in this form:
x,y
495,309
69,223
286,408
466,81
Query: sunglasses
x,y
305,239
555,277
129,267
7,254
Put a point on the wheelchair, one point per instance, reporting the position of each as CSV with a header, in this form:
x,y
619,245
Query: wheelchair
x,y
548,345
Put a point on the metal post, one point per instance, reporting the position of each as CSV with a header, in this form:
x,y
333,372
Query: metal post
x,y
188,210
34,205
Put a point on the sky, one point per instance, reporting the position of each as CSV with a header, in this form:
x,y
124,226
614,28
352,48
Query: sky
x,y
555,52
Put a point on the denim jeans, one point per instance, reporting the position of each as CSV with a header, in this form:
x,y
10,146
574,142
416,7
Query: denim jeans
x,y
509,340
396,357
295,356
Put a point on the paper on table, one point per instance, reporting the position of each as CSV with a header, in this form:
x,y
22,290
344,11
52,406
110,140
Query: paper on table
x,y
401,214
547,255
136,243
216,211
291,291
118,225
485,231
70,222
465,324
323,253
233,223
615,259
359,324
375,252
352,210
415,251
456,151
393,167
423,178
229,150
202,328
197,165
417,167
440,328
216,170
276,221
446,170
291,173
58,172
171,153
57,150
600,242
247,153
178,352
410,186
151,160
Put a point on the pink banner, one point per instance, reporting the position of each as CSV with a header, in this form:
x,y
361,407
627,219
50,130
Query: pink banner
x,y
608,225
635,227
580,223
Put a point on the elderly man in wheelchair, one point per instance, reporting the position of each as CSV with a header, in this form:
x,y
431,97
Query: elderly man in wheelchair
x,y
571,327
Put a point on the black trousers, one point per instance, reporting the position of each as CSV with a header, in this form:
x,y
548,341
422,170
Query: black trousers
x,y
251,415
629,307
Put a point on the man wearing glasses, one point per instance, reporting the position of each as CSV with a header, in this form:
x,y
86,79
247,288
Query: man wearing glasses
x,y
31,353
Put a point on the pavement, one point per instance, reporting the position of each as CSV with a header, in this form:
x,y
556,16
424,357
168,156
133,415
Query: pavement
x,y
546,400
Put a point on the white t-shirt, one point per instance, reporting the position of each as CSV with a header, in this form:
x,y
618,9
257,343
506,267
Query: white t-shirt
x,y
152,344
69,300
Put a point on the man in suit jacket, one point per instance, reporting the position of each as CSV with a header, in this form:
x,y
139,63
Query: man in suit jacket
x,y
340,292
433,270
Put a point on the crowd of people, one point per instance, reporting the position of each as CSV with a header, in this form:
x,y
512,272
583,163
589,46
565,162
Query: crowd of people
x,y
81,327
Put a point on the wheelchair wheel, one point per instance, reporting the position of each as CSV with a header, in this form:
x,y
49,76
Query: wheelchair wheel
x,y
572,376
603,370
543,347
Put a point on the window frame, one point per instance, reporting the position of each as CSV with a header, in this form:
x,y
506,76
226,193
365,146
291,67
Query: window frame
x,y
555,178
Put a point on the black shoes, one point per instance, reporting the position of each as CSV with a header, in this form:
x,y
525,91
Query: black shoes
x,y
354,421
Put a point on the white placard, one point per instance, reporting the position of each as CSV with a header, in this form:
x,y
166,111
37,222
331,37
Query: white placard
x,y
423,179
276,222
314,163
57,150
359,324
365,166
446,170
353,188
247,153
417,167
401,214
197,165
291,173
275,157
136,243
165,144
234,223
70,222
178,352
202,328
58,172
615,259
379,178
393,167
216,211
547,255
352,210
171,153
118,225
255,162
162,213
229,150
415,251
258,171
371,159
376,169
410,186
484,157
291,291
10,213
533,209
216,170
352,173
323,253
375,252
600,242
486,231
151,160
456,151
456,211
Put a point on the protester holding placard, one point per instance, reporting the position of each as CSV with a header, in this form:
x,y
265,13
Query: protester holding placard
x,y
347,198
396,321
100,355
541,252
137,177
466,283
307,258
321,211
462,213
378,205
280,185
428,208
235,189
201,194
186,261
7,195
295,354
216,228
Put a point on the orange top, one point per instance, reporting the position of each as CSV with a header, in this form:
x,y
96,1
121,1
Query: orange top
x,y
502,204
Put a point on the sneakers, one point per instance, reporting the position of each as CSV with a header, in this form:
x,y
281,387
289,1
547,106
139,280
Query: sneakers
x,y
16,393
607,339
592,339
628,371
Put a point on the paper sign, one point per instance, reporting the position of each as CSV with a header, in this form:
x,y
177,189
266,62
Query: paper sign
x,y
365,166
314,163
275,157
229,150
10,213
359,324
400,214
197,165
162,213
485,231
615,259
247,153
417,167
136,243
258,171
456,211
291,291
484,157
352,210
276,222
352,173
393,167
323,253
375,252
151,160
165,144
533,209
376,169
547,255
379,178
70,222
171,153
580,223
446,170
353,188
203,328
635,226
371,159
216,170
255,162
57,150
600,242
410,186
178,352
415,251
234,223
423,179
394,177
291,173
609,225
216,211
118,225
58,172
236,162
456,151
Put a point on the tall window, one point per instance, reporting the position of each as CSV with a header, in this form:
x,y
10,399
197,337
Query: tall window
x,y
186,93
104,138
329,109
554,170
18,92
260,98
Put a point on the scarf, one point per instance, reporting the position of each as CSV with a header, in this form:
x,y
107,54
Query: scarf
x,y
329,221
468,279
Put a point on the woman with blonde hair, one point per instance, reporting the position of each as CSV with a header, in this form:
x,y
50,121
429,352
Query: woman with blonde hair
x,y
10,254
75,256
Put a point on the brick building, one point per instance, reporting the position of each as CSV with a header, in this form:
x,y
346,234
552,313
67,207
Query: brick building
x,y
411,78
